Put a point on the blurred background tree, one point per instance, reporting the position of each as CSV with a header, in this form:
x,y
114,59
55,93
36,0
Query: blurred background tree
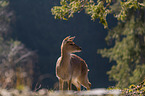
x,y
127,38
16,68
4,18
16,61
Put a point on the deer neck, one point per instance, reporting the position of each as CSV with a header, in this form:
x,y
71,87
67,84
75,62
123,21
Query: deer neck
x,y
65,58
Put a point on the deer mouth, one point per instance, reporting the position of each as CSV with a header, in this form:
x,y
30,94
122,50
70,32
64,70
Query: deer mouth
x,y
79,50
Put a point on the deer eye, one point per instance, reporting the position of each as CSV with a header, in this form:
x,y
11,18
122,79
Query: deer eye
x,y
71,44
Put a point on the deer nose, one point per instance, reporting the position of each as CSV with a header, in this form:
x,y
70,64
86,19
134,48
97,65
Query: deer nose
x,y
80,48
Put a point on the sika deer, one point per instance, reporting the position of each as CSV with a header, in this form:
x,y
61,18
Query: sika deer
x,y
71,68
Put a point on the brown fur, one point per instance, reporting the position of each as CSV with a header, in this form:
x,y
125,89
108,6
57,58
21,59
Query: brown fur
x,y
70,67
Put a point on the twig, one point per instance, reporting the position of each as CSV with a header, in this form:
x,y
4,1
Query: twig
x,y
82,6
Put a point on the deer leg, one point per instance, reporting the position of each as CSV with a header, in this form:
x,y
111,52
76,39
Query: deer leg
x,y
61,84
89,85
78,86
69,84
85,82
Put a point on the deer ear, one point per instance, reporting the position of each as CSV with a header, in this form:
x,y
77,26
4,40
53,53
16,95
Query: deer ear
x,y
72,38
66,39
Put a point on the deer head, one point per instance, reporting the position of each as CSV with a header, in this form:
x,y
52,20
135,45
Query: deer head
x,y
69,46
